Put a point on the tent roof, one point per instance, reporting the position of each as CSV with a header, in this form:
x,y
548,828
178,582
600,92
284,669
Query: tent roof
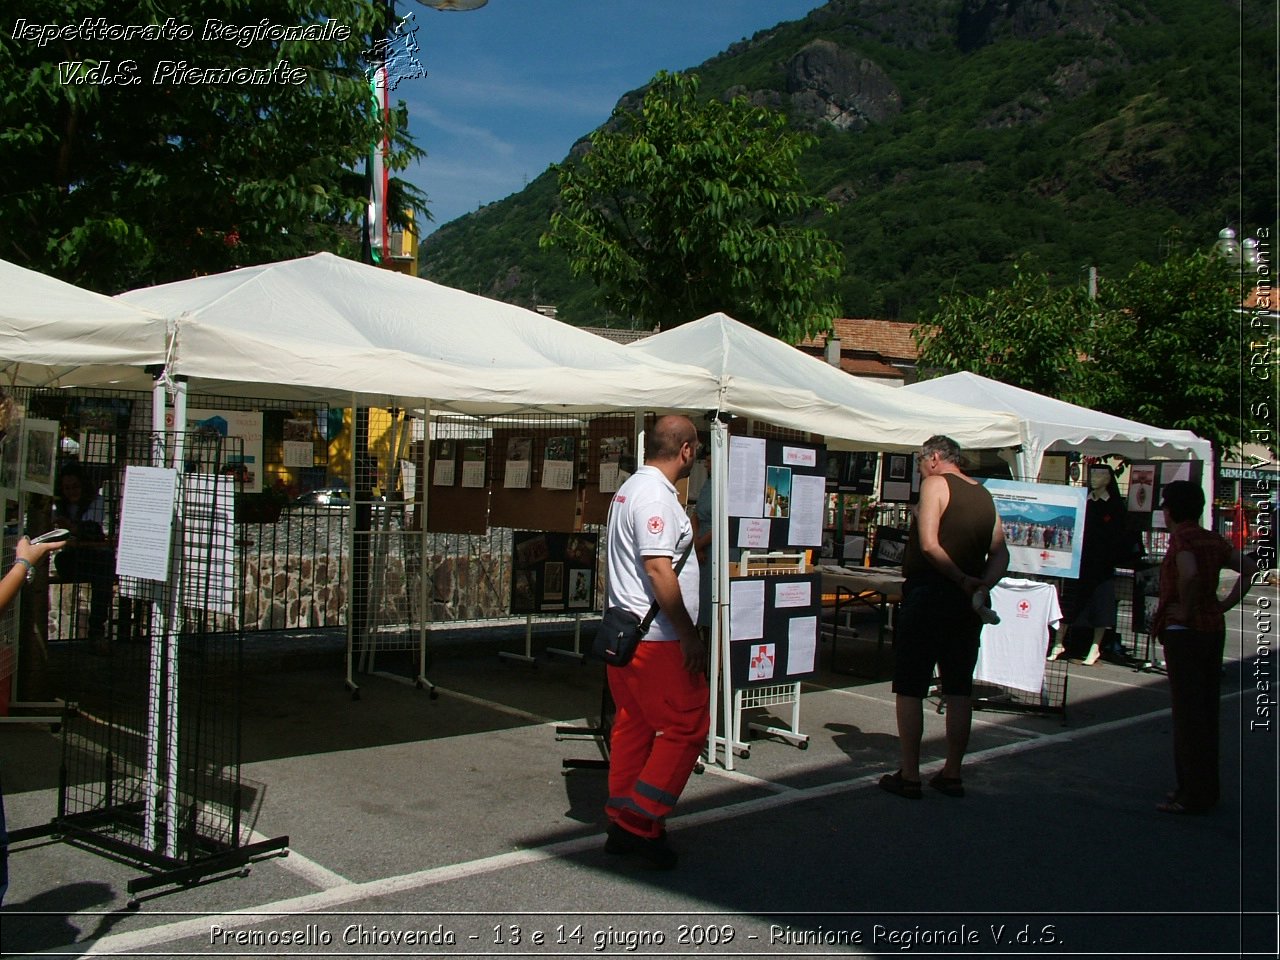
x,y
1048,422
764,378
322,327
54,334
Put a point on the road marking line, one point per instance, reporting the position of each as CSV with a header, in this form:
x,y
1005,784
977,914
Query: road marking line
x,y
327,900
306,868
478,701
746,779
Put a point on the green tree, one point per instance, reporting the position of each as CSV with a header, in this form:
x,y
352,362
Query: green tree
x,y
1174,349
118,169
1165,345
684,208
1030,334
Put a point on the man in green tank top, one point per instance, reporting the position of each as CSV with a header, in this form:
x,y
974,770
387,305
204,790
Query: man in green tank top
x,y
955,554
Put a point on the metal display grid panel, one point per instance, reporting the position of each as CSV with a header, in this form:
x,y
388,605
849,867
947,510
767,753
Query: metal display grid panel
x,y
151,738
1052,697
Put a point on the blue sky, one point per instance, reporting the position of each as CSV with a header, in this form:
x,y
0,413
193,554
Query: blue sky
x,y
511,86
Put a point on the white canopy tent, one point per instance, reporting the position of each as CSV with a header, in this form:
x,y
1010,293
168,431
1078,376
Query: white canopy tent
x,y
764,378
54,334
1054,425
325,328
322,327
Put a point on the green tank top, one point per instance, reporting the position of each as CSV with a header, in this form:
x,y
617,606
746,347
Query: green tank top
x,y
964,530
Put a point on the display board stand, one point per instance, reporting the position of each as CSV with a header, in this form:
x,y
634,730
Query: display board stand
x,y
773,695
528,657
151,773
576,653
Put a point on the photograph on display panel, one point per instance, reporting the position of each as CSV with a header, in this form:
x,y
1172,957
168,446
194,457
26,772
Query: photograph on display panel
x,y
1043,524
39,456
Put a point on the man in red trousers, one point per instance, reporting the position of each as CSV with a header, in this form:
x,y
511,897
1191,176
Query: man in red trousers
x,y
662,695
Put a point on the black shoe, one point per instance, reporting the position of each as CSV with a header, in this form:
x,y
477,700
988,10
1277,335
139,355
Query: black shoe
x,y
655,853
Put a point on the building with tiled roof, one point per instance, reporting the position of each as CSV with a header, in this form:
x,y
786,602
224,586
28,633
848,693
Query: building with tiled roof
x,y
619,334
880,349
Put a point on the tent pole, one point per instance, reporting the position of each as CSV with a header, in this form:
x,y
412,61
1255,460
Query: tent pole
x,y
380,545
718,660
423,478
351,544
172,630
151,792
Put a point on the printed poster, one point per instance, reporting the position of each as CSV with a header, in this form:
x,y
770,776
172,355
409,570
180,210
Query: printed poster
x,y
519,452
763,657
1043,526
1142,487
612,452
245,425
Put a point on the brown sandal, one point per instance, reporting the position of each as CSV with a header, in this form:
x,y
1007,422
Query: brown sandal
x,y
948,786
896,783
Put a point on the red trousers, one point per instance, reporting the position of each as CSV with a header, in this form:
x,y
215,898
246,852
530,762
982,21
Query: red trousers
x,y
658,733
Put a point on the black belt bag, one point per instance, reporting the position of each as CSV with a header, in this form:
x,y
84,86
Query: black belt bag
x,y
621,631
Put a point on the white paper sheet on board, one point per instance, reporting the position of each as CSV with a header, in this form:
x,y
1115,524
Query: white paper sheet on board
x,y
516,475
473,474
299,453
746,477
808,498
799,456
146,523
746,609
443,473
753,533
792,594
609,482
557,474
802,645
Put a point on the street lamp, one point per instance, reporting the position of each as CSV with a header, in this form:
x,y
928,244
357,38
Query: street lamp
x,y
1245,253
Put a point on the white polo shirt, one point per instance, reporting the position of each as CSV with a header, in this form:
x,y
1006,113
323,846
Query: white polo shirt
x,y
646,520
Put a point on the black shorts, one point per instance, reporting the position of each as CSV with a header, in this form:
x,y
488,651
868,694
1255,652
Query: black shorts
x,y
937,627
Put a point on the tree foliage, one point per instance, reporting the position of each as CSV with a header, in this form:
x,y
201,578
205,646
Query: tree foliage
x,y
1163,345
114,175
1077,134
684,208
1029,334
1171,352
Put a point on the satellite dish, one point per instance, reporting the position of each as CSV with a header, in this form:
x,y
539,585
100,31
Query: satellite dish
x,y
454,4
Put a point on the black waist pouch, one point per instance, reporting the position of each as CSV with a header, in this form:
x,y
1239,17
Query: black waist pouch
x,y
618,635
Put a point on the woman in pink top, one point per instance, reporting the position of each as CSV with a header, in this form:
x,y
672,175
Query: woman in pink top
x,y
1190,624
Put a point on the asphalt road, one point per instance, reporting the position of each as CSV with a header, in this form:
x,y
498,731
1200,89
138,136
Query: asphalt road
x,y
447,827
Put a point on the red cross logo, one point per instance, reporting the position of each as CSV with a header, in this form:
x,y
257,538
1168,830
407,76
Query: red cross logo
x,y
1024,606
655,525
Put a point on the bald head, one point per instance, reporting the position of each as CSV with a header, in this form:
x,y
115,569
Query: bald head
x,y
666,441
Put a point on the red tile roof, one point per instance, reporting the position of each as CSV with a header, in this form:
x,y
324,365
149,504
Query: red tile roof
x,y
619,334
1262,298
892,339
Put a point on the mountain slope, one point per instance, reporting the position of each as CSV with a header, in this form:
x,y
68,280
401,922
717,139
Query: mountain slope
x,y
957,135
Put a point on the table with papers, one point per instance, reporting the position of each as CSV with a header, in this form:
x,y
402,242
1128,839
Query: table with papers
x,y
877,587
